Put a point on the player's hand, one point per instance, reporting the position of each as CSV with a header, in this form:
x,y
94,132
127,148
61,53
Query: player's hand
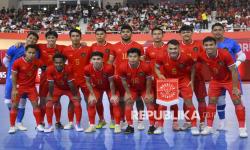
x,y
49,98
236,91
191,84
76,97
161,77
128,97
114,99
148,98
18,44
92,99
14,93
83,44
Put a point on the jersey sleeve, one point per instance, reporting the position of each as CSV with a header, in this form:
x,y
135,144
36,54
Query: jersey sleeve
x,y
236,47
147,55
50,74
70,74
228,59
110,71
15,67
148,70
11,51
87,72
122,71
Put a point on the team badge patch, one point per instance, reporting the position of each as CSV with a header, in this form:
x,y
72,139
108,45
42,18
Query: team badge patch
x,y
221,63
107,50
83,54
181,66
195,49
141,74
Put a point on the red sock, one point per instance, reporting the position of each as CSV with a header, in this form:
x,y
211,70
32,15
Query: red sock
x,y
78,111
202,110
91,113
49,112
150,110
13,115
191,115
100,109
111,109
175,109
122,108
128,111
37,114
42,112
211,109
185,109
57,111
240,113
161,115
71,112
117,113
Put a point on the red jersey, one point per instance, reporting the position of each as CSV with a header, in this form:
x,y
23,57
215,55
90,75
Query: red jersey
x,y
193,49
136,77
60,79
121,51
78,59
99,78
153,52
26,72
218,66
180,68
107,49
48,53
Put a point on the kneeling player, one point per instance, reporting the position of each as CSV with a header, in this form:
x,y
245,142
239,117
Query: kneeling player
x,y
137,81
99,79
60,80
24,73
224,76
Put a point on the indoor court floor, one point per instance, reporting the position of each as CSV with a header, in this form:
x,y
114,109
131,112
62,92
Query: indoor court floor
x,y
106,139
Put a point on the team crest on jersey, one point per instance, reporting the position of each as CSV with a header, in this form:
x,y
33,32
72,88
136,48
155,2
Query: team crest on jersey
x,y
65,76
35,67
195,49
141,74
221,63
29,74
225,48
107,50
83,54
174,71
181,66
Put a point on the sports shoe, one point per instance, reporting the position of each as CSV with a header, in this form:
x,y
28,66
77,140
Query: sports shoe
x,y
158,130
195,131
117,129
40,128
243,132
78,128
68,126
221,126
49,129
90,129
129,130
151,129
140,125
112,125
207,130
58,125
186,126
202,126
124,125
101,124
20,127
176,126
12,130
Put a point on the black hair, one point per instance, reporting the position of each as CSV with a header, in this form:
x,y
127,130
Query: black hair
x,y
156,28
96,53
126,27
173,42
209,39
31,46
75,30
59,55
51,32
100,29
217,25
134,50
186,28
34,34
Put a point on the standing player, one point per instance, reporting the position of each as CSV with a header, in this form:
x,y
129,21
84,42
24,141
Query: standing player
x,y
238,56
224,76
13,53
24,73
136,78
78,57
61,82
120,52
193,48
99,79
107,49
178,65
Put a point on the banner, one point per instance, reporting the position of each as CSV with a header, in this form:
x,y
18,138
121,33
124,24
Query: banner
x,y
167,92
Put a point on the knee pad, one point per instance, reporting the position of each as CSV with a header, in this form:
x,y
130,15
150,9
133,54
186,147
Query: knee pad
x,y
221,100
22,103
7,103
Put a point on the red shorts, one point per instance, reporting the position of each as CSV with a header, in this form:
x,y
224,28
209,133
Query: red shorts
x,y
199,87
135,94
119,85
44,85
185,90
58,93
216,88
31,93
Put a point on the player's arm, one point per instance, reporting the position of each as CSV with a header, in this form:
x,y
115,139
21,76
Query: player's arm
x,y
14,84
235,79
91,99
192,76
6,61
51,89
158,72
241,57
114,98
111,59
127,96
72,87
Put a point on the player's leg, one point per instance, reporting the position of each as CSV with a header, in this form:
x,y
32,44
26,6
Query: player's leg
x,y
221,106
43,91
69,125
57,111
160,119
140,109
13,112
8,89
100,112
129,111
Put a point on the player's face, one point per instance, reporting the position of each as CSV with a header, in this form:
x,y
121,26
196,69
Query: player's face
x,y
126,34
157,35
75,38
59,64
100,36
218,32
30,54
31,40
173,51
133,58
186,35
210,47
97,61
51,40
